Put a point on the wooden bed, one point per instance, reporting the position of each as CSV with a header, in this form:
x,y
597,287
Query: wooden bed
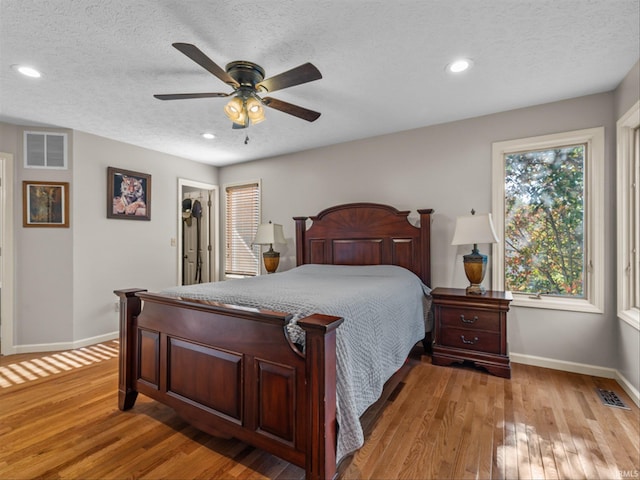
x,y
259,388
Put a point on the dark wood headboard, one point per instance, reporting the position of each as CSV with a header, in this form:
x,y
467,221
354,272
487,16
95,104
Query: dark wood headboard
x,y
366,234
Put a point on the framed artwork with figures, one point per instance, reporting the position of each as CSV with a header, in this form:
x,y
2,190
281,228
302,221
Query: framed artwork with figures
x,y
128,194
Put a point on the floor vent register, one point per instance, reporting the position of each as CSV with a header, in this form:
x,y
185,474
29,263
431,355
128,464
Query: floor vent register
x,y
611,399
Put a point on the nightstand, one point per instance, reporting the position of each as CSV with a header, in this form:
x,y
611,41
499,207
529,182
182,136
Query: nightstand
x,y
472,328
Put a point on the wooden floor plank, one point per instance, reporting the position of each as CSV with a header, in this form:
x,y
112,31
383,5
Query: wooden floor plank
x,y
409,406
545,422
485,440
510,446
59,419
420,456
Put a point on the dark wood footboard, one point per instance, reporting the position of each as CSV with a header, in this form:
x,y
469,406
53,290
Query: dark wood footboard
x,y
232,371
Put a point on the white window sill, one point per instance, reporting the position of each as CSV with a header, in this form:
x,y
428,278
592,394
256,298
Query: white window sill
x,y
554,303
631,316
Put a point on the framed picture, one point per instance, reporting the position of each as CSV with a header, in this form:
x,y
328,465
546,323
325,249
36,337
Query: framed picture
x,y
45,204
128,194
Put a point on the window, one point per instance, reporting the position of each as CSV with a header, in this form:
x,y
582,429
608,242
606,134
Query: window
x,y
628,212
547,204
242,220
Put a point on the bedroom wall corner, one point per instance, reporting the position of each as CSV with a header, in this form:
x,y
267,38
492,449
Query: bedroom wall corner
x,y
44,295
65,277
112,254
628,91
628,337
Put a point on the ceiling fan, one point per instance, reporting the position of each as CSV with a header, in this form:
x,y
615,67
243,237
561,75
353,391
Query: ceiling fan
x,y
247,80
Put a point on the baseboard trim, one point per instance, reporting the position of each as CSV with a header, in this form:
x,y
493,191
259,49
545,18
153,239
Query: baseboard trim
x,y
54,347
629,388
581,368
573,367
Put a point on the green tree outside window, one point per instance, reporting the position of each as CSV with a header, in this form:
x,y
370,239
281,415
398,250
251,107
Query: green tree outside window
x,y
544,221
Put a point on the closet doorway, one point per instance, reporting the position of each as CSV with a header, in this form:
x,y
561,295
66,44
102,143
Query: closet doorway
x,y
198,244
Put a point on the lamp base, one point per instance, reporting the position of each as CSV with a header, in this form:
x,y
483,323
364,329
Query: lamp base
x,y
475,266
476,290
271,260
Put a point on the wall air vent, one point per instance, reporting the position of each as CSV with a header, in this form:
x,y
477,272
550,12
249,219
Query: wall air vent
x,y
45,150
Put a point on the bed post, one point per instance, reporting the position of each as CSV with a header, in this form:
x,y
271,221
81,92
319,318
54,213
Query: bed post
x,y
320,352
130,306
425,247
301,228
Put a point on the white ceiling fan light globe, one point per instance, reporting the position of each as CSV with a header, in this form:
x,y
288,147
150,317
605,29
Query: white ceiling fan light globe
x,y
255,111
235,111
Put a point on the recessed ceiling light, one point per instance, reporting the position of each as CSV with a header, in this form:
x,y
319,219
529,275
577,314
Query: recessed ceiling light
x,y
208,136
27,71
460,65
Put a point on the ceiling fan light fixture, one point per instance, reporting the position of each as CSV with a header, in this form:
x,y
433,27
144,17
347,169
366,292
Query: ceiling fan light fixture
x,y
235,110
255,111
247,80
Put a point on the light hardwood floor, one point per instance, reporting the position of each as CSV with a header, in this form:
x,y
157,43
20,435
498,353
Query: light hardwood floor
x,y
59,419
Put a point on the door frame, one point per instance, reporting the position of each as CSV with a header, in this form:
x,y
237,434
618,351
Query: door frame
x,y
7,275
214,226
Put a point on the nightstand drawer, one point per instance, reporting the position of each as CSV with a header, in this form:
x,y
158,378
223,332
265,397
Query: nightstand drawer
x,y
470,318
470,339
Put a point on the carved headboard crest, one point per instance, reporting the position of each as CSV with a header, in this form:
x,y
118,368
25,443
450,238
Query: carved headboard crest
x,y
366,234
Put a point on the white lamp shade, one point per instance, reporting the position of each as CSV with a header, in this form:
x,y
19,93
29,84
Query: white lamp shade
x,y
472,229
269,233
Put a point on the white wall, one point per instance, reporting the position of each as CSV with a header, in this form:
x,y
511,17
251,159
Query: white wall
x,y
111,254
43,256
448,167
65,277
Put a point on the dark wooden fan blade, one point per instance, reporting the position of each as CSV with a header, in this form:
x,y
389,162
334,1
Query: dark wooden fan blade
x,y
183,96
296,76
291,109
195,54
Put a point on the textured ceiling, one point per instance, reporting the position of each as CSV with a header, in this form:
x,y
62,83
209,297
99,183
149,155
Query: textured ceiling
x,y
383,65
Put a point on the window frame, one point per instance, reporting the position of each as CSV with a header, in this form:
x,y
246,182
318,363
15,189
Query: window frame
x,y
226,187
593,301
627,214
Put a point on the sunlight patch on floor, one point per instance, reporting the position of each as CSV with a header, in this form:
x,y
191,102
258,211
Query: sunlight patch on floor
x,y
54,363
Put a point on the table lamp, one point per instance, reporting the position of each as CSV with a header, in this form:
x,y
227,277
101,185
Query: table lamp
x,y
474,229
268,234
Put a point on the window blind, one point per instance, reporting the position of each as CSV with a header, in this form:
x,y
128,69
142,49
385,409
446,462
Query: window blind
x,y
242,220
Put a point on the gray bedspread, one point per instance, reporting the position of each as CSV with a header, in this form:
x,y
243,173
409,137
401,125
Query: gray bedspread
x,y
385,310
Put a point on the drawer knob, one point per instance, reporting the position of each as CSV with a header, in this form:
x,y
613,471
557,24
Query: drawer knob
x,y
468,342
467,320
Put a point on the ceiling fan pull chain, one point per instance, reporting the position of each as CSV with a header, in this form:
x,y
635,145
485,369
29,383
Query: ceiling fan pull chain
x,y
246,140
